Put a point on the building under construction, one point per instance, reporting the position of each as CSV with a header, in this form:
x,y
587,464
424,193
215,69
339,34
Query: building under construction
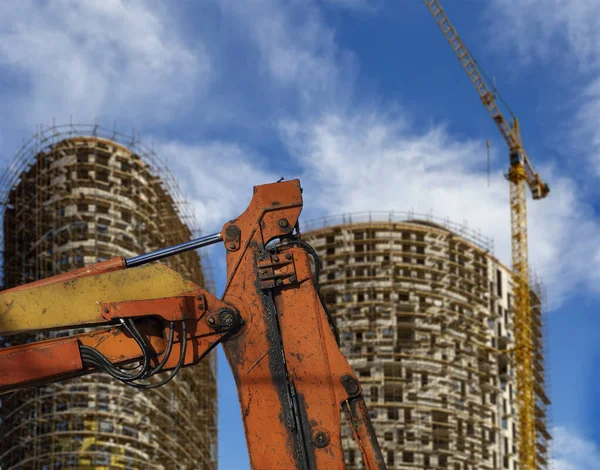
x,y
425,319
75,195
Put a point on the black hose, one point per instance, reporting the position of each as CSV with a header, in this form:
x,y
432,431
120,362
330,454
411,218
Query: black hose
x,y
175,371
96,358
165,358
93,358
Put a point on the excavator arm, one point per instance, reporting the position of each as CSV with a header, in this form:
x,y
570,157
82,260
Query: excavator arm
x,y
293,381
146,310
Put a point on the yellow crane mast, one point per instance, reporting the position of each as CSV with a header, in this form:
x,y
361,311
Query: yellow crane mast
x,y
520,175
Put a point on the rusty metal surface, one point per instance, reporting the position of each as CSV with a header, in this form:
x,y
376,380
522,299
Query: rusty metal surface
x,y
286,363
23,365
314,361
170,308
60,358
254,353
276,270
364,433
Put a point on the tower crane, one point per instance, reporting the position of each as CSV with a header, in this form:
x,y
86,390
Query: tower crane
x,y
521,174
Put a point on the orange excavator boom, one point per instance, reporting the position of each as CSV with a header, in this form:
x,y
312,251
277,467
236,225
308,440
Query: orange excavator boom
x,y
281,344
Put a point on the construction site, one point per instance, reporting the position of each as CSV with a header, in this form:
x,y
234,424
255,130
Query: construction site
x,y
426,320
444,349
75,195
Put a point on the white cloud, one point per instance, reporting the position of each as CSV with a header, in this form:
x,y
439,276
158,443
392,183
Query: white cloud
x,y
91,58
540,29
565,36
298,51
217,177
95,58
367,161
573,452
586,133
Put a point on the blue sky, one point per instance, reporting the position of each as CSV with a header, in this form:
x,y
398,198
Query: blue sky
x,y
364,101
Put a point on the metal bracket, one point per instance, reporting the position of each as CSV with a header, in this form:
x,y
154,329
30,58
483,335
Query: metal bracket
x,y
224,319
276,270
232,237
351,385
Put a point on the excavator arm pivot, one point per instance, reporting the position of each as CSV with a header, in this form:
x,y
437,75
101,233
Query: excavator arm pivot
x,y
293,381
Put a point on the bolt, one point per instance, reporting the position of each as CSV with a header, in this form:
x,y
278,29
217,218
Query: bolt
x,y
199,297
226,317
232,231
106,310
278,282
283,223
211,321
232,246
276,258
350,384
321,439
288,256
292,278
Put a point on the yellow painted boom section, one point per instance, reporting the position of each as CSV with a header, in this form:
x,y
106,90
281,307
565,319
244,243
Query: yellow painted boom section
x,y
77,302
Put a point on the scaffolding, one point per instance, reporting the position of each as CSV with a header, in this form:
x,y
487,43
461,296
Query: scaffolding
x,y
425,318
75,195
539,325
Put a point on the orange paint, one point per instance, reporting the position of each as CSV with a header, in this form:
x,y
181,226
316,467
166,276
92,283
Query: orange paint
x,y
292,379
291,409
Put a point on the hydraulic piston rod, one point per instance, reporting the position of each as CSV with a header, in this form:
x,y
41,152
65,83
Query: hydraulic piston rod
x,y
173,250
